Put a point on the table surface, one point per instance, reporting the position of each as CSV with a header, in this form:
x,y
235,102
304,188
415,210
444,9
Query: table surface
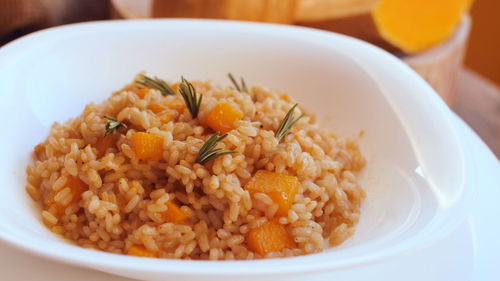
x,y
477,102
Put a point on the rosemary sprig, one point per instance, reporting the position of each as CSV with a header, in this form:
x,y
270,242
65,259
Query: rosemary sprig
x,y
191,98
155,83
287,124
208,151
112,125
242,88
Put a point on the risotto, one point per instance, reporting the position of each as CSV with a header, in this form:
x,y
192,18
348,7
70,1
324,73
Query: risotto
x,y
193,170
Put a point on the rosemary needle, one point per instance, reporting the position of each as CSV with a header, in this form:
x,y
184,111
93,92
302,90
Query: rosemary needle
x,y
208,151
287,124
112,125
155,83
191,98
242,88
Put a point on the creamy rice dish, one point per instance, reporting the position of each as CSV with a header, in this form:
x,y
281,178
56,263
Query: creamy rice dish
x,y
194,170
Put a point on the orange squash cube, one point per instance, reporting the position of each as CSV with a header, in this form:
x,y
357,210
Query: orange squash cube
x,y
156,107
167,117
76,186
269,237
175,86
175,104
280,188
141,93
173,213
285,97
140,251
223,116
147,146
104,143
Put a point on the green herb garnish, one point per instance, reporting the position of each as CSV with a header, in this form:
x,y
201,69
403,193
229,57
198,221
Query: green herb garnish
x,y
287,124
242,88
155,83
208,151
191,98
112,125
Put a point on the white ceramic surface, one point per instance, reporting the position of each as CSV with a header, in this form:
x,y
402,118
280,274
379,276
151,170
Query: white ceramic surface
x,y
416,174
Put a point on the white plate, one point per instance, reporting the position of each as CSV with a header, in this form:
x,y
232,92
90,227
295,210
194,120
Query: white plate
x,y
412,148
471,252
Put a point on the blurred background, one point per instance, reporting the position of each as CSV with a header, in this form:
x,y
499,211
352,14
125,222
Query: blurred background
x,y
453,44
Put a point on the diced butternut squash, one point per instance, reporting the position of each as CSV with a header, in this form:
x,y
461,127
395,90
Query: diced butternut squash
x,y
141,93
175,104
173,213
285,97
175,86
167,116
76,186
147,146
223,116
270,236
140,251
156,107
104,143
416,25
280,188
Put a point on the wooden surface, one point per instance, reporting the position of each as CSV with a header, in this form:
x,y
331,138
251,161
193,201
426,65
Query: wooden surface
x,y
484,42
477,102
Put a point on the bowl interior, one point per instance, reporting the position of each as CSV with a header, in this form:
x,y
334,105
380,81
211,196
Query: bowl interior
x,y
50,76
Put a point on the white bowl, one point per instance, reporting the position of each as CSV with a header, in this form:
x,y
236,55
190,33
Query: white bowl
x,y
415,176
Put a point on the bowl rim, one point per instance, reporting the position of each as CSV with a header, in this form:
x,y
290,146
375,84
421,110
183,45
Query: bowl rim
x,y
103,260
